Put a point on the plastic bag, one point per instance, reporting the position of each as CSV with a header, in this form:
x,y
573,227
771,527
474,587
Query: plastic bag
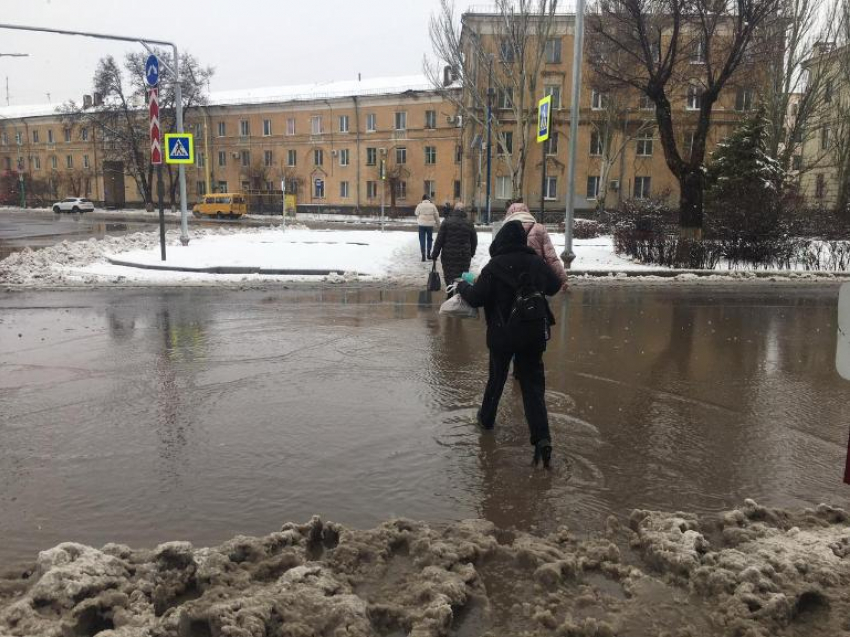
x,y
457,307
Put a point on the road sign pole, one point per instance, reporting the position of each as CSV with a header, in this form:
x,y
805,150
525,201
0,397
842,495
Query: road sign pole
x,y
160,191
578,49
283,190
181,170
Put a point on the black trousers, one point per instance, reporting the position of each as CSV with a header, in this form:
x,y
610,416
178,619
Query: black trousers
x,y
532,382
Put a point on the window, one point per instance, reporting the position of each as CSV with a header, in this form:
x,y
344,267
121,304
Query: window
x,y
797,162
698,51
371,123
371,189
457,189
343,123
343,189
7,161
401,120
595,143
267,127
222,158
592,186
85,161
694,97
550,146
290,126
84,134
69,161
598,100
246,158
551,189
36,161
318,157
268,158
244,128
343,157
371,156
316,125
5,138
221,186
401,189
222,130
49,137
504,188
201,188
244,185
35,137
555,92
430,155
506,51
552,51
401,155
202,159
458,153
744,99
430,119
644,143
505,98
430,189
824,138
506,145
67,136
319,188
291,156
820,186
645,103
53,162
689,141
827,90
270,186
642,187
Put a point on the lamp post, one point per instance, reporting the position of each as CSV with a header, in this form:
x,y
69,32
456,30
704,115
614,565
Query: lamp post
x,y
178,96
489,131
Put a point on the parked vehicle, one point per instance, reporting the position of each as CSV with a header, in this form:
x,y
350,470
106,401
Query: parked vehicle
x,y
230,205
73,204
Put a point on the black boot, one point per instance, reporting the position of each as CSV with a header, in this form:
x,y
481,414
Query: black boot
x,y
543,451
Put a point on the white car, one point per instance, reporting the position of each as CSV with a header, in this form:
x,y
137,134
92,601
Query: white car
x,y
73,204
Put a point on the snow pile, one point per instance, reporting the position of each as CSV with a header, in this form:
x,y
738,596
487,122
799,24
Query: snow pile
x,y
772,573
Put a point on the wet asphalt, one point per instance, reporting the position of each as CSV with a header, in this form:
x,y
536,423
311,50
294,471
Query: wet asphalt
x,y
140,416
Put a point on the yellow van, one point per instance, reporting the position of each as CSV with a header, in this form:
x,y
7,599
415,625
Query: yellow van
x,y
224,205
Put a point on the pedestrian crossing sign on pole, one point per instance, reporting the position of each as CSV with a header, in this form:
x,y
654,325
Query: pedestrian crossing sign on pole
x,y
179,148
544,118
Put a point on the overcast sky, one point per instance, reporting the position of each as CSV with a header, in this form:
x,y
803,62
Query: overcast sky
x,y
250,43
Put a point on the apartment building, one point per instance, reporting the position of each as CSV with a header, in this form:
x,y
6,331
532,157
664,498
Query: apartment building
x,y
619,153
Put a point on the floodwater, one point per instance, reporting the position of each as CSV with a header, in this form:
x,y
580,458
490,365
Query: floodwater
x,y
140,416
38,230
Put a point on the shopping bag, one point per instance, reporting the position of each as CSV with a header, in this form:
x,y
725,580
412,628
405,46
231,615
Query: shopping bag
x,y
434,283
457,307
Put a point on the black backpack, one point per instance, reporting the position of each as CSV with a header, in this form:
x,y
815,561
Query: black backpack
x,y
527,326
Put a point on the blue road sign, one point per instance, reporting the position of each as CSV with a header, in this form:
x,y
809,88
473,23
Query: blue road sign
x,y
179,148
152,70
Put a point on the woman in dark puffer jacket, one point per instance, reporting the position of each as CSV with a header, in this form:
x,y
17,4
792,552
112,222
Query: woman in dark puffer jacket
x,y
456,242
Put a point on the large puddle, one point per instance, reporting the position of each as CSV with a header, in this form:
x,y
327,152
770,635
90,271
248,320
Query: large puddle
x,y
145,416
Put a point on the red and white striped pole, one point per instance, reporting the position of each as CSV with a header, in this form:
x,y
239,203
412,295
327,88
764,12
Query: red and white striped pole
x,y
156,159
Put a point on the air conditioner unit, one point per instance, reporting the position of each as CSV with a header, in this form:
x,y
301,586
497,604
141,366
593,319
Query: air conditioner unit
x,y
235,155
614,185
450,119
333,153
458,121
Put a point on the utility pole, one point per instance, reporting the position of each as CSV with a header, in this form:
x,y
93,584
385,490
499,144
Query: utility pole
x,y
568,255
489,132
178,98
383,170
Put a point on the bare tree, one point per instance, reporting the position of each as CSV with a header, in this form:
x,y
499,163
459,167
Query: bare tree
x,y
507,61
120,120
676,51
841,121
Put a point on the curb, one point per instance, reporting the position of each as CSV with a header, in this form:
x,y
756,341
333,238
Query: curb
x,y
730,274
224,269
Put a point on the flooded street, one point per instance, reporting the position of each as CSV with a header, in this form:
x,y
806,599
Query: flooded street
x,y
140,416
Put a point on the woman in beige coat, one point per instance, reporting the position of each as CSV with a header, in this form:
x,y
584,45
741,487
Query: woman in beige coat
x,y
538,239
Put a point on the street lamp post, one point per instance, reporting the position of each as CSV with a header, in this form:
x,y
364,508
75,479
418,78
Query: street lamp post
x,y
578,48
145,42
489,132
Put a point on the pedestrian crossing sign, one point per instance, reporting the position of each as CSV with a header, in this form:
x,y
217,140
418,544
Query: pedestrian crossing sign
x,y
544,118
179,148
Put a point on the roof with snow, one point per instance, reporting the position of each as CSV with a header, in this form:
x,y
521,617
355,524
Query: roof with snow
x,y
276,94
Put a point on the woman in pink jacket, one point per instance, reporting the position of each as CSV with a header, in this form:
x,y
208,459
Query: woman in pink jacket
x,y
538,239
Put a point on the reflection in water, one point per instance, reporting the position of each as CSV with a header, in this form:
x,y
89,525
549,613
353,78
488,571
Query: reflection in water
x,y
201,414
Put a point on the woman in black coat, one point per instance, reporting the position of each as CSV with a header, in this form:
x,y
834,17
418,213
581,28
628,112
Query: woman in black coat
x,y
495,289
456,242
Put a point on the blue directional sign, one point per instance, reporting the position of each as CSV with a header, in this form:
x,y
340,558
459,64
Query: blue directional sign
x,y
179,148
152,70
